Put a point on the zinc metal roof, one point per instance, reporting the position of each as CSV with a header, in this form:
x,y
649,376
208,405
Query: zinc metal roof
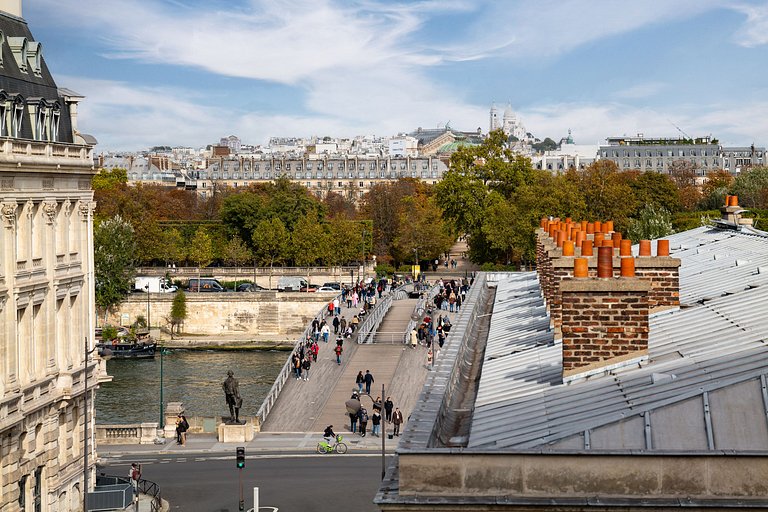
x,y
704,387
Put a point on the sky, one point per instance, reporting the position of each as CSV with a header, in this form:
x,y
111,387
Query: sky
x,y
188,72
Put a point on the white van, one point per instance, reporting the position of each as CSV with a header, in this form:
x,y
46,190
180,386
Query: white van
x,y
291,284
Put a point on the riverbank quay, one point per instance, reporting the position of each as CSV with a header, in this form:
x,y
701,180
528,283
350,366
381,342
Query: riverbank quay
x,y
223,342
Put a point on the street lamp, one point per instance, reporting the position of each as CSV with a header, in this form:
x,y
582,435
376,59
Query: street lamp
x,y
149,323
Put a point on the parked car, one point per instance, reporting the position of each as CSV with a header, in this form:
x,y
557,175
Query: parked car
x,y
250,287
335,286
309,288
325,288
205,284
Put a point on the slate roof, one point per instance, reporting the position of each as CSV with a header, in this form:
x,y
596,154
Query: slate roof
x,y
705,385
15,82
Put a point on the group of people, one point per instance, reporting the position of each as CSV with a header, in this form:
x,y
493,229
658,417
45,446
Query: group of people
x,y
303,357
359,416
451,295
430,331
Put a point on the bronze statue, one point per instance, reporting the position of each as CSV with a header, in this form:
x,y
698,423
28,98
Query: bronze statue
x,y
234,401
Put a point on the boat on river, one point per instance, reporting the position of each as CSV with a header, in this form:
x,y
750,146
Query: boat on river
x,y
143,349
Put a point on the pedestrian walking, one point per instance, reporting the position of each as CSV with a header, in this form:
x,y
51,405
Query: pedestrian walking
x,y
336,325
388,406
363,418
135,475
338,350
325,331
375,422
305,366
414,338
343,324
368,378
397,420
315,349
182,425
336,307
360,380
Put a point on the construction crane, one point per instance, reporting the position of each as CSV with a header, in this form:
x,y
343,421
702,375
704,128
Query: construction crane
x,y
680,130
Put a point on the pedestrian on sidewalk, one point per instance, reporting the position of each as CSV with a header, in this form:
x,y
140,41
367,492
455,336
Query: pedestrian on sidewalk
x,y
338,350
135,475
182,425
353,421
368,378
336,306
343,324
388,406
325,331
305,366
414,338
315,348
397,420
363,418
336,325
360,380
375,421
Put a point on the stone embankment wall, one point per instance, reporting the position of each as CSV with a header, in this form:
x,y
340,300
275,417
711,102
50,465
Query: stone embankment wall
x,y
259,314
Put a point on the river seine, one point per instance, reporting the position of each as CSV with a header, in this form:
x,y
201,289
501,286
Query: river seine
x,y
191,377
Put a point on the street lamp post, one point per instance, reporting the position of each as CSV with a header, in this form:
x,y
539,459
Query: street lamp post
x,y
149,323
162,418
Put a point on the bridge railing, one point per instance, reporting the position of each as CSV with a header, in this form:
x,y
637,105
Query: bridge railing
x,y
368,327
421,304
285,371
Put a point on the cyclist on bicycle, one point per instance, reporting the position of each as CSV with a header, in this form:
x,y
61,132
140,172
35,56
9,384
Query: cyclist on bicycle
x,y
329,433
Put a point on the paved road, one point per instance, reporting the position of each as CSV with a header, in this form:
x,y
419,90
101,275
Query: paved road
x,y
209,482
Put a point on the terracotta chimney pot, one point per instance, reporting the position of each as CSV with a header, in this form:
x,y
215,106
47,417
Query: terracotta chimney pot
x,y
728,200
568,220
628,267
608,226
625,249
662,248
580,267
580,237
605,262
584,225
598,227
645,247
734,201
586,248
568,248
599,237
616,239
590,228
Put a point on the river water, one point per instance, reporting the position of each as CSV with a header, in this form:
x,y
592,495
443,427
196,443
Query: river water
x,y
191,377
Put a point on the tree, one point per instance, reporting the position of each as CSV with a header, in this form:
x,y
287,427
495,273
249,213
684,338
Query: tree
x,y
309,242
423,230
653,222
114,251
683,173
607,195
173,250
715,189
270,243
752,187
178,311
235,253
201,249
109,178
655,188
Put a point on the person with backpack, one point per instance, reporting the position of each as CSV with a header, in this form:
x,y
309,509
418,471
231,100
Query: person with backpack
x,y
338,350
135,475
362,416
305,366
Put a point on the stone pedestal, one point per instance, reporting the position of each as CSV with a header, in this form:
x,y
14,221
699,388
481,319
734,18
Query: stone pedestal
x,y
172,411
235,433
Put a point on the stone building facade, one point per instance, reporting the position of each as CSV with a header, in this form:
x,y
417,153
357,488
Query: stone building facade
x,y
46,281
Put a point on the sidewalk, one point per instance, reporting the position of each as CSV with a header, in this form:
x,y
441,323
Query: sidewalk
x,y
295,443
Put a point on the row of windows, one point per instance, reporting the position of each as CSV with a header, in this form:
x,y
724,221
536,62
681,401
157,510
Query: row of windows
x,y
43,116
658,153
361,166
637,163
203,175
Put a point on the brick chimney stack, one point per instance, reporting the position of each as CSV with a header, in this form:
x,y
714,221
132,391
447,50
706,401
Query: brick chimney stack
x,y
604,324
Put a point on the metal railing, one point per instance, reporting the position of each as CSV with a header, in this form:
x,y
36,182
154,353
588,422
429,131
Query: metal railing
x,y
368,327
421,304
116,493
285,371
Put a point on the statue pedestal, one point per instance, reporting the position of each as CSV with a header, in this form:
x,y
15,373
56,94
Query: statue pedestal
x,y
235,433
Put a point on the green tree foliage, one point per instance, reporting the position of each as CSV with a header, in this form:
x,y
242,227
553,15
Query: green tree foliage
x,y
683,173
607,194
286,200
715,189
655,188
546,145
178,311
201,248
270,243
114,251
108,179
752,187
422,230
235,253
309,242
174,250
653,222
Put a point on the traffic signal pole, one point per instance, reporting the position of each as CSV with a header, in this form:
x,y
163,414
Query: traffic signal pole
x,y
240,453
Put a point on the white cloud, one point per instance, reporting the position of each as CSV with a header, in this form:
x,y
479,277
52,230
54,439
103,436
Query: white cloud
x,y
640,91
755,29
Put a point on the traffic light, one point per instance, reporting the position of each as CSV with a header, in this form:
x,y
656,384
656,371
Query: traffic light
x,y
240,457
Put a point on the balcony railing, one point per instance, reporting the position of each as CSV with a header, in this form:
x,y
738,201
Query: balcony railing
x,y
14,148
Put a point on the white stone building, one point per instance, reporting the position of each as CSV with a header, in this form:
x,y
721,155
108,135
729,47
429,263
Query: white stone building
x,y
46,282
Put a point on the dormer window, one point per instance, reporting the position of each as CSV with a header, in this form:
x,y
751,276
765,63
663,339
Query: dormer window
x,y
34,57
4,102
55,118
19,48
17,117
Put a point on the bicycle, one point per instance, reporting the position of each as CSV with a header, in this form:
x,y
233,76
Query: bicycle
x,y
338,447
